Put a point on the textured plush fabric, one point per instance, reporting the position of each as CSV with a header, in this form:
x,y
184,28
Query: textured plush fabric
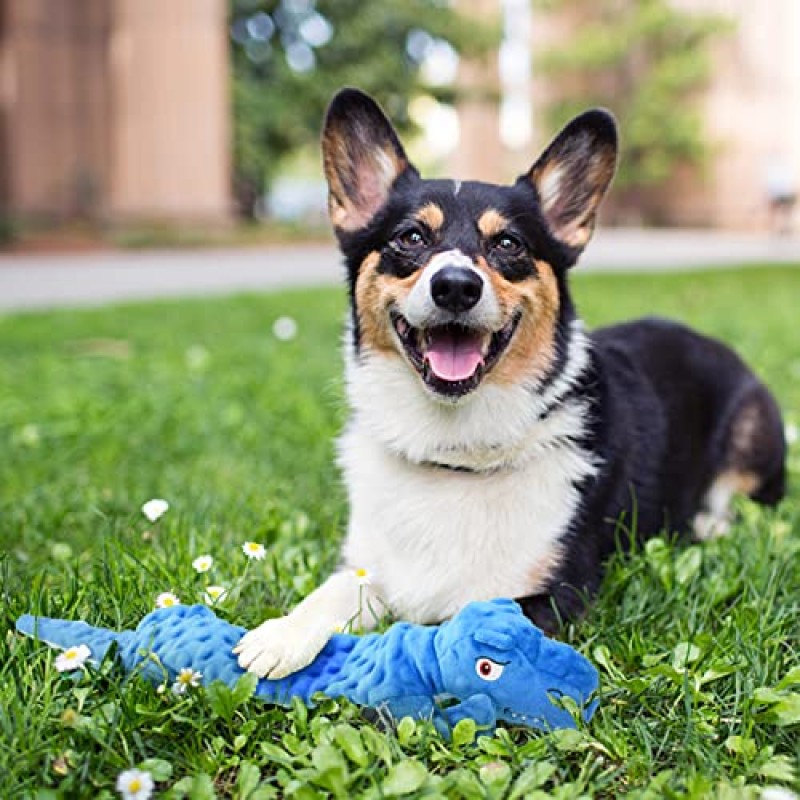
x,y
489,661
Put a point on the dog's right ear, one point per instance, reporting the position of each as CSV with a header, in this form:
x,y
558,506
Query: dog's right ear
x,y
362,158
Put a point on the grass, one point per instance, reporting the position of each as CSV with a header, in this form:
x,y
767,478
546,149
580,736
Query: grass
x,y
199,403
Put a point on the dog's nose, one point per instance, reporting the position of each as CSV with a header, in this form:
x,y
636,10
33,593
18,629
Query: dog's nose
x,y
456,288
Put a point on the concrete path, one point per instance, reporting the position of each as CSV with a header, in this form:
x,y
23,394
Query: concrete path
x,y
31,281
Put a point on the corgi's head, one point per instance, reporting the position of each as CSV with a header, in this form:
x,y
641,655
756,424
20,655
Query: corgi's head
x,y
461,283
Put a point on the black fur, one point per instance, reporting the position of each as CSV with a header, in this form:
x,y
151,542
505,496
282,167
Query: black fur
x,y
664,400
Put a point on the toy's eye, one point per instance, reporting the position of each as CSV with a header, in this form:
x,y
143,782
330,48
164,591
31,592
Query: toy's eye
x,y
489,670
508,245
411,239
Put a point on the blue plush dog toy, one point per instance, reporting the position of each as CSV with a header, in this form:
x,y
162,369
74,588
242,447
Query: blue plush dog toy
x,y
489,659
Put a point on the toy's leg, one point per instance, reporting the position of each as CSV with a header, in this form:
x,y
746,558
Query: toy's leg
x,y
281,646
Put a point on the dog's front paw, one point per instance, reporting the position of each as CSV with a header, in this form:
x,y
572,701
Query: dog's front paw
x,y
279,647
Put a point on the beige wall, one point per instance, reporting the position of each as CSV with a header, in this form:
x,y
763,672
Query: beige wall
x,y
170,117
752,114
114,109
54,101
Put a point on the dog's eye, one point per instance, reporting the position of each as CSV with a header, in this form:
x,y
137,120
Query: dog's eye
x,y
488,670
508,245
411,239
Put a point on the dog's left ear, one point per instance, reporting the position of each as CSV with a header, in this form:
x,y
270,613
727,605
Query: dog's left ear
x,y
362,158
572,176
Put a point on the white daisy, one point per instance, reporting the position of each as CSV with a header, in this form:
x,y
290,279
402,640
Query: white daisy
x,y
155,509
254,550
167,600
72,658
203,563
791,433
284,329
186,679
214,594
135,784
362,576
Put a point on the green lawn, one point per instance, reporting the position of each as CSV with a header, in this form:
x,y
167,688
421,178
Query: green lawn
x,y
199,403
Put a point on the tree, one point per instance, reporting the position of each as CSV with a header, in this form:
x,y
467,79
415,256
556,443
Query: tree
x,y
647,61
290,56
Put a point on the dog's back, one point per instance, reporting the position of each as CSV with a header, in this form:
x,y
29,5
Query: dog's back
x,y
680,425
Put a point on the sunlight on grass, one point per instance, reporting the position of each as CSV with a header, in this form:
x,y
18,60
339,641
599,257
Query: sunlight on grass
x,y
201,404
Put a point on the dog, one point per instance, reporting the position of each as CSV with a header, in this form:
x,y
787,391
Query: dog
x,y
494,447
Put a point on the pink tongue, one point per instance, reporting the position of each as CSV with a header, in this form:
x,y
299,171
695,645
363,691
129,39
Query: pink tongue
x,y
454,356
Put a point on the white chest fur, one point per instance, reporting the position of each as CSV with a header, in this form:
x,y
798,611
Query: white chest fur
x,y
434,539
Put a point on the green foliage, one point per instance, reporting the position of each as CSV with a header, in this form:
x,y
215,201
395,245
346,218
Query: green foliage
x,y
198,402
647,61
290,58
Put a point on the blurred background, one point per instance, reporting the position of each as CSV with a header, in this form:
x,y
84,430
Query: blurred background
x,y
134,121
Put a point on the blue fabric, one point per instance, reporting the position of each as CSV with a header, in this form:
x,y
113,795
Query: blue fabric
x,y
489,660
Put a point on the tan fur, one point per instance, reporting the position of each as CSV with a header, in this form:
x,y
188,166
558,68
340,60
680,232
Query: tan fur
x,y
432,216
715,520
532,350
491,223
745,430
545,568
738,482
375,293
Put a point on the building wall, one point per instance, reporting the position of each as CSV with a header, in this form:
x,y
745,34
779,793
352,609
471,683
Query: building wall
x,y
114,109
54,97
170,115
752,116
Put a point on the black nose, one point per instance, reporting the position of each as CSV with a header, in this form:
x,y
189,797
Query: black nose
x,y
456,288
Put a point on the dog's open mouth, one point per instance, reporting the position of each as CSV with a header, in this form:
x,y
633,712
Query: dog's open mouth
x,y
452,359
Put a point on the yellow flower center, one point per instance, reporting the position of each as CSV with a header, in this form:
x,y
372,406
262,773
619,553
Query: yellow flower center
x,y
135,785
361,573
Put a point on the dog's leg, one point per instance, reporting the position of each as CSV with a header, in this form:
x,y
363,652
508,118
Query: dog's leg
x,y
753,461
716,517
281,646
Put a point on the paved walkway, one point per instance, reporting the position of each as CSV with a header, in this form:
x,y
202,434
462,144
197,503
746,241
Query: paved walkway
x,y
29,281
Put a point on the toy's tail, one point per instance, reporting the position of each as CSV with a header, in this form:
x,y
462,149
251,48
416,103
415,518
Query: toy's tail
x,y
64,633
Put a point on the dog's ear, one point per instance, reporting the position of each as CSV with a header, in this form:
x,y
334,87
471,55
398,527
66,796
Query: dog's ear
x,y
362,158
573,173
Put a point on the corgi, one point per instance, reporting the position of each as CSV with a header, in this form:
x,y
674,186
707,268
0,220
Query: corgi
x,y
495,448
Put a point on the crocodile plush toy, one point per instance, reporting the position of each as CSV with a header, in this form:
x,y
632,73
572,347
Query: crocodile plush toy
x,y
489,661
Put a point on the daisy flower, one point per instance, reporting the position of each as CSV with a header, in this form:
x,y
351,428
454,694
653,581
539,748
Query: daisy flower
x,y
284,329
203,563
214,594
186,679
155,509
72,658
362,576
135,784
167,600
254,550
